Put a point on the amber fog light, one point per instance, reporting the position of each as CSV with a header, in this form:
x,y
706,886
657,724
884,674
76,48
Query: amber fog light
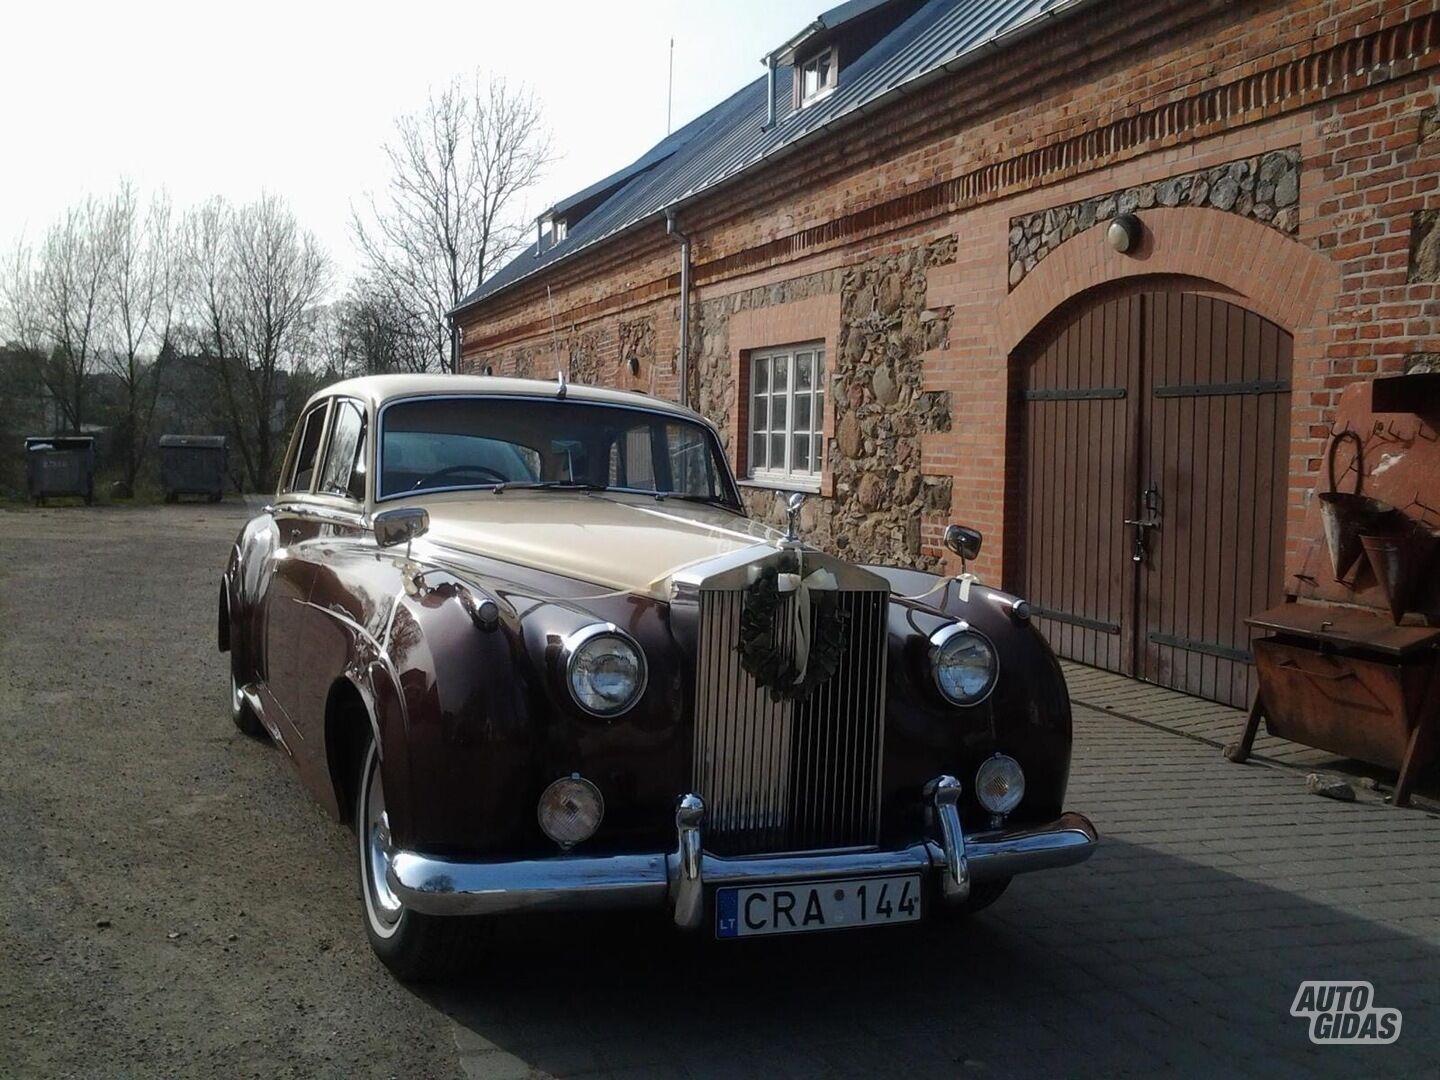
x,y
570,810
1000,784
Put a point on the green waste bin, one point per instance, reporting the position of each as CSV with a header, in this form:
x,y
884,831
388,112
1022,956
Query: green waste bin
x,y
60,465
193,465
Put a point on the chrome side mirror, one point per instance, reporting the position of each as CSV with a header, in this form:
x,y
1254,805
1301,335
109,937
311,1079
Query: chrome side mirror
x,y
401,525
963,541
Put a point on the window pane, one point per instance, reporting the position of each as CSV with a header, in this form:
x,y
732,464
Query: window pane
x,y
820,369
762,368
819,457
800,453
802,412
777,412
314,424
823,68
757,451
803,364
779,382
344,452
760,414
819,411
777,452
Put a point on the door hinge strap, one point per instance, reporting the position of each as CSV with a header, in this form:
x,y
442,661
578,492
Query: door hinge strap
x,y
1256,386
1078,393
1075,620
1209,648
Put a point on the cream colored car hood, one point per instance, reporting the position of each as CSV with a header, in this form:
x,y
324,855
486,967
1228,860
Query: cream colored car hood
x,y
625,542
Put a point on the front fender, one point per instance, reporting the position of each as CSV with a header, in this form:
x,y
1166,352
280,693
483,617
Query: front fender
x,y
1030,707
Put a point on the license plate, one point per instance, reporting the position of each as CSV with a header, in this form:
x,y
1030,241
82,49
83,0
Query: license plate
x,y
804,906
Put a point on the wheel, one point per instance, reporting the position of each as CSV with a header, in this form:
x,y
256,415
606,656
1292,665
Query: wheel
x,y
415,947
241,713
982,895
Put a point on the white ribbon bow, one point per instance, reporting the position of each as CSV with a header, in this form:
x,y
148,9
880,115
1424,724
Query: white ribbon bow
x,y
818,581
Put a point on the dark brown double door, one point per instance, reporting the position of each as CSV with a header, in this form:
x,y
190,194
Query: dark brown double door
x,y
1156,441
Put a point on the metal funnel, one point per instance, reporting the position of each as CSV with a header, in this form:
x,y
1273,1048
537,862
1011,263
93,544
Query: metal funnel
x,y
1344,517
1399,562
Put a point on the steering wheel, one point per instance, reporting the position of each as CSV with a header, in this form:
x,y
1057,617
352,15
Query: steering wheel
x,y
425,481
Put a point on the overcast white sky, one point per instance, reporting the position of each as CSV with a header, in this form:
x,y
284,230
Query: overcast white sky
x,y
296,97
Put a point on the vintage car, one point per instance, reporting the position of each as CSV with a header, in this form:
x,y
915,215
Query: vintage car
x,y
525,638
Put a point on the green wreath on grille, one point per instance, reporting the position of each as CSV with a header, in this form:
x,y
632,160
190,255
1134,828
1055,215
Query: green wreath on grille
x,y
760,646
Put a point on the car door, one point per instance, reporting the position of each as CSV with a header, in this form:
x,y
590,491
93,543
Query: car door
x,y
291,570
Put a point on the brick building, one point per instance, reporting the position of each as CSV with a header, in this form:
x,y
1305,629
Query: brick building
x,y
1038,267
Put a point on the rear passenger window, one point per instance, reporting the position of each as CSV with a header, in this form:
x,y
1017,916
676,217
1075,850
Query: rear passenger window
x,y
344,471
311,428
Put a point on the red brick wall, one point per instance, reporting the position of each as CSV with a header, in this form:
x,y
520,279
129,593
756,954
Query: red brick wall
x,y
1092,104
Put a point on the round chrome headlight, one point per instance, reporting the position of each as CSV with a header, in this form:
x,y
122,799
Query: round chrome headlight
x,y
1000,784
604,669
964,663
570,810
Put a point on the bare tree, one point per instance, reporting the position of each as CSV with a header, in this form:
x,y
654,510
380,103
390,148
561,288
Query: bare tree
x,y
451,215
143,283
69,296
255,278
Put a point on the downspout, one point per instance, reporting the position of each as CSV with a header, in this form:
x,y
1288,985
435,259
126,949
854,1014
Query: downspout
x,y
672,228
769,92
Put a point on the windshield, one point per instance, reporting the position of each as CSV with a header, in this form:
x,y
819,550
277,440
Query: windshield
x,y
441,444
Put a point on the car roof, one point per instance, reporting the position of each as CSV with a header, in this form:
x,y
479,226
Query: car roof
x,y
379,389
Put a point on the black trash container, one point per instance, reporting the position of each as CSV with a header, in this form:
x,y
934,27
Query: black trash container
x,y
60,465
193,465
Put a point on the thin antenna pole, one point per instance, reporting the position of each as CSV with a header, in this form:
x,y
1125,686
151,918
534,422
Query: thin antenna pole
x,y
670,87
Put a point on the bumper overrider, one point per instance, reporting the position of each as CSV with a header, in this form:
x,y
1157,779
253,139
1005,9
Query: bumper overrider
x,y
679,878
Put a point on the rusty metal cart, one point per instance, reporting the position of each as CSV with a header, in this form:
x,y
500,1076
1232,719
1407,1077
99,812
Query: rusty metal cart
x,y
1349,681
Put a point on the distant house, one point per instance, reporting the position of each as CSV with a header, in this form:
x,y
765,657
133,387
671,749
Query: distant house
x,y
1045,267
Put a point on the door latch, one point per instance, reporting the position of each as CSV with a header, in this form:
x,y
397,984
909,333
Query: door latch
x,y
1150,500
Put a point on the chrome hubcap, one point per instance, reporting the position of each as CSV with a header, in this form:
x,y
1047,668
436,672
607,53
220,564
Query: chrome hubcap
x,y
381,902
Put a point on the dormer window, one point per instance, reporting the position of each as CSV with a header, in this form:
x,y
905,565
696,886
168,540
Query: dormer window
x,y
818,76
558,230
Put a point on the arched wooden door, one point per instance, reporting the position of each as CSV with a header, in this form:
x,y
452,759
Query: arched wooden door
x,y
1155,448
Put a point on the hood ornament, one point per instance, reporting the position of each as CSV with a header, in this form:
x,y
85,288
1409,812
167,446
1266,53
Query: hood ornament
x,y
792,517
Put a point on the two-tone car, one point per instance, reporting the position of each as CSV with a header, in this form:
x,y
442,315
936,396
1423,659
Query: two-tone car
x,y
524,637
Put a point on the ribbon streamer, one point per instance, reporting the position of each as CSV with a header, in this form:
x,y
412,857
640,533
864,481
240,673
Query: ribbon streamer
x,y
816,581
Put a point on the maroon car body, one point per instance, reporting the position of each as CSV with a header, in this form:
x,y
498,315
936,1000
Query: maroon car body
x,y
410,643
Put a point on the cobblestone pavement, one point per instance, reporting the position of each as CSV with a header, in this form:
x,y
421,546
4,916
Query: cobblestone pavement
x,y
1177,949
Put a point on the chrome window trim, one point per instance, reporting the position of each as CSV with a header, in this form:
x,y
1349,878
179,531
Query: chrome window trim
x,y
944,634
716,449
329,431
570,648
291,466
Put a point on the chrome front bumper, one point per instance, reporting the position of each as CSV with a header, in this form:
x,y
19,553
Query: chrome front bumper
x,y
607,882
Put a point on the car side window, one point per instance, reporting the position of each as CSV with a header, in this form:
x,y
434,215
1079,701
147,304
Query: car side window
x,y
344,470
312,426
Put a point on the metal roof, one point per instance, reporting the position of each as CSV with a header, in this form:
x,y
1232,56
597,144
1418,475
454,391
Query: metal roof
x,y
731,137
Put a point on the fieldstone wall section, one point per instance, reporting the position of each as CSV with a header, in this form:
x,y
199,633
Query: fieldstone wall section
x,y
880,494
1424,247
1265,188
637,342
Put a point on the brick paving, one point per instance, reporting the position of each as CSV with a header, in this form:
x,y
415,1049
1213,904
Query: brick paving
x,y
1176,950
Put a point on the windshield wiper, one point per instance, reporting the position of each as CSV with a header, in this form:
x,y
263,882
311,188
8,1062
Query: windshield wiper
x,y
546,485
684,496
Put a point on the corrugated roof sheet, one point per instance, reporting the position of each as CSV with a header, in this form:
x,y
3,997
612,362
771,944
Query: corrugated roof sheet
x,y
731,137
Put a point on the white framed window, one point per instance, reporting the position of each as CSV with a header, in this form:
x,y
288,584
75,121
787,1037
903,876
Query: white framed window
x,y
818,76
787,416
559,228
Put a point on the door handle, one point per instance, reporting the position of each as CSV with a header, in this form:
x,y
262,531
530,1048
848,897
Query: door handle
x,y
1144,523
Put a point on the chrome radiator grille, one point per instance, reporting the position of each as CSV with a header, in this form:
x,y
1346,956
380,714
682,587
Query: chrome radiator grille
x,y
789,776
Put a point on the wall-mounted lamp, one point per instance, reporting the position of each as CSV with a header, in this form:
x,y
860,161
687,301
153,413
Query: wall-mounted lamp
x,y
1124,233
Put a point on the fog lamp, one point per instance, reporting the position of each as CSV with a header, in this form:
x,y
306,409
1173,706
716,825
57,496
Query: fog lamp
x,y
570,810
1000,784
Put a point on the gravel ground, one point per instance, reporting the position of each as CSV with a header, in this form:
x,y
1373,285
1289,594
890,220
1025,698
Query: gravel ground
x,y
174,903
